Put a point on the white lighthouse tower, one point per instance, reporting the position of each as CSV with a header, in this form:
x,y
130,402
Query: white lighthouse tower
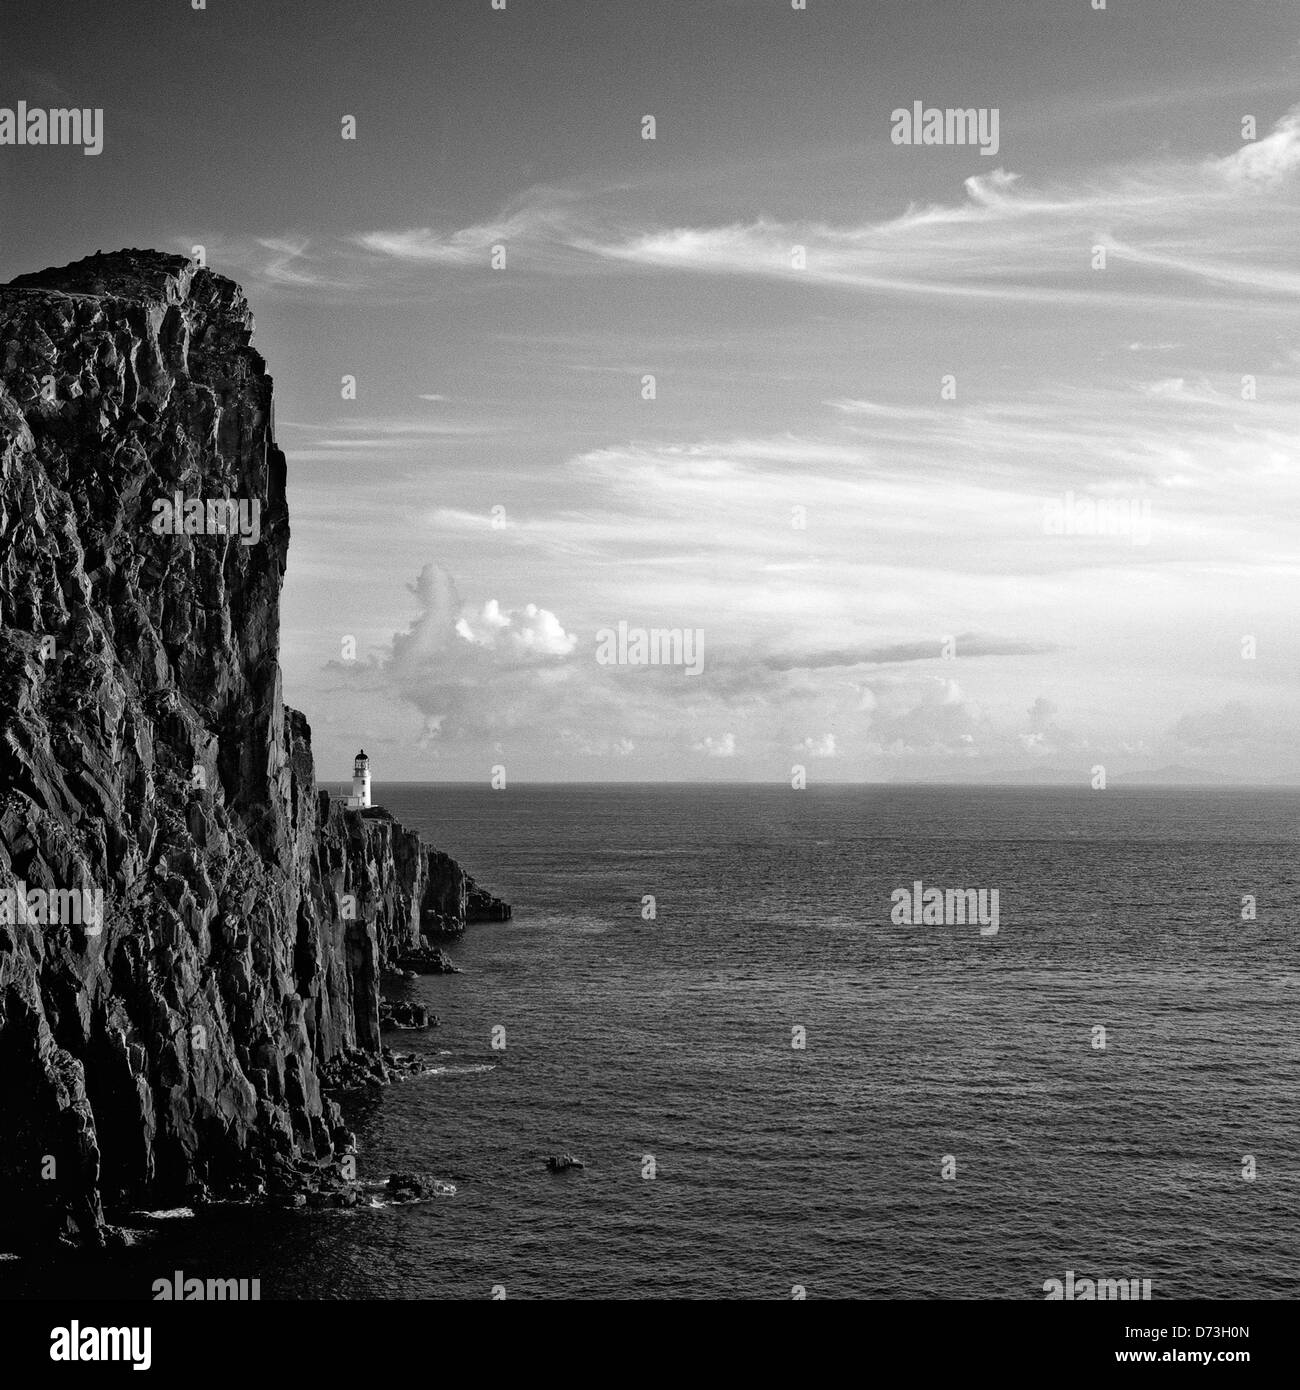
x,y
360,797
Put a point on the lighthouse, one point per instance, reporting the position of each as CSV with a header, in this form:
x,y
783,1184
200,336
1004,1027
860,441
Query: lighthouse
x,y
360,798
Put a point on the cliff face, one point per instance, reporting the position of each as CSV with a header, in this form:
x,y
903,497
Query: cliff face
x,y
177,1041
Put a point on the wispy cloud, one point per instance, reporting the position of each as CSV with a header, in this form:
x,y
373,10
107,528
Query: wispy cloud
x,y
1008,239
1198,230
538,217
357,437
826,561
968,644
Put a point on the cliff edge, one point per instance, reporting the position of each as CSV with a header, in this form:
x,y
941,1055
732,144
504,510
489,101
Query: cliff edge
x,y
191,933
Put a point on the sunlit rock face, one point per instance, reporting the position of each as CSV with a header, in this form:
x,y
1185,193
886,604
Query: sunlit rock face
x,y
175,1043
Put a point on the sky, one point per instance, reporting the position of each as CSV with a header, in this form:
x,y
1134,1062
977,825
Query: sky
x,y
891,382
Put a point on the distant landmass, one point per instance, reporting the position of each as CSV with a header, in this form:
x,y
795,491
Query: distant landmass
x,y
1178,776
1172,775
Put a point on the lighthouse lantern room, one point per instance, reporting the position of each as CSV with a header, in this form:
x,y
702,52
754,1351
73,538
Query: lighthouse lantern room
x,y
360,798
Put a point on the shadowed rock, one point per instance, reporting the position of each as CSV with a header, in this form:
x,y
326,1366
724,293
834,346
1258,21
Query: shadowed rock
x,y
145,750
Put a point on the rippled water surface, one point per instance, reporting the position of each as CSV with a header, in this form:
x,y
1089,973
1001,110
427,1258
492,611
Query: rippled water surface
x,y
670,1039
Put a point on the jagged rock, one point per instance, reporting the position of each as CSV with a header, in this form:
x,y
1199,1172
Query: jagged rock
x,y
427,960
481,906
350,1070
179,1052
452,899
404,1013
416,1187
405,1185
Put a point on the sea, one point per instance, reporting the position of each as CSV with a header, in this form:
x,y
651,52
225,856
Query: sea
x,y
779,1089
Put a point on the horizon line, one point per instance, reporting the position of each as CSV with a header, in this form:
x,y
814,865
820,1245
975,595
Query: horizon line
x,y
1122,781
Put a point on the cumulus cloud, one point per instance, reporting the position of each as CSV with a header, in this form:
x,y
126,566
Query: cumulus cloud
x,y
1041,713
475,670
1224,729
1044,736
925,716
724,747
1266,161
530,631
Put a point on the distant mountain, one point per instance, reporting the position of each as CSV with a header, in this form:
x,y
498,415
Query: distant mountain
x,y
1174,775
1017,777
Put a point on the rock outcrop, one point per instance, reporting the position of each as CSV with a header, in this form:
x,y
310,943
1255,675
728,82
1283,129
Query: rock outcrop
x,y
176,1043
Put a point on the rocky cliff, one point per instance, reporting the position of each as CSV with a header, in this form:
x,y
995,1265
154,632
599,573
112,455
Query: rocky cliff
x,y
174,1044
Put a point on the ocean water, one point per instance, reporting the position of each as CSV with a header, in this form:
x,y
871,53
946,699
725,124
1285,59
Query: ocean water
x,y
669,1040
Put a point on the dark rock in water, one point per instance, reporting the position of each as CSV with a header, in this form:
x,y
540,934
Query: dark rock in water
x,y
405,1185
403,1065
184,1044
453,899
350,1070
402,1013
427,960
416,1187
481,906
560,1163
